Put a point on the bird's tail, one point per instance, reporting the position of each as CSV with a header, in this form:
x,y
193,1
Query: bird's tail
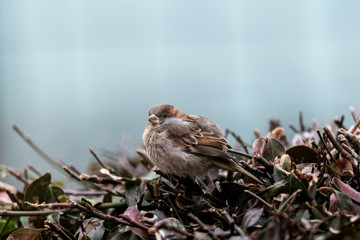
x,y
233,165
243,171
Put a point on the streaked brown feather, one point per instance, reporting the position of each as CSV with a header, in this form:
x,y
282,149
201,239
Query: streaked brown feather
x,y
192,138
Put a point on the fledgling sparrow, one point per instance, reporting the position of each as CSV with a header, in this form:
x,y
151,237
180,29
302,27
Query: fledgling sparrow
x,y
187,145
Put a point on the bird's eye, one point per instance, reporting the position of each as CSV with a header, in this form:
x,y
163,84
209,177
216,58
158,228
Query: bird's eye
x,y
164,116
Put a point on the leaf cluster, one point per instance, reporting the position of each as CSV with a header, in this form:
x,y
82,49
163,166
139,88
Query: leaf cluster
x,y
310,190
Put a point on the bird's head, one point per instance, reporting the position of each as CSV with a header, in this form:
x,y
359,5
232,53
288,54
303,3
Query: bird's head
x,y
159,113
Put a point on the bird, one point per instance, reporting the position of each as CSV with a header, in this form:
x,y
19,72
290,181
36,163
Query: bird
x,y
187,145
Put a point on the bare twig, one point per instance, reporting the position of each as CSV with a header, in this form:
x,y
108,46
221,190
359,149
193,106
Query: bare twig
x,y
292,127
146,158
351,138
203,226
31,167
238,139
18,176
167,226
13,198
353,113
271,207
65,234
6,213
247,155
37,149
325,146
301,121
356,125
231,222
100,162
269,165
337,145
340,123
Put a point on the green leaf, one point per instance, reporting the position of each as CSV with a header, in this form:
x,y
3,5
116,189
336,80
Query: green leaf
x,y
121,233
302,214
288,185
132,192
41,190
94,229
273,149
151,176
7,227
302,154
279,173
342,200
332,172
27,234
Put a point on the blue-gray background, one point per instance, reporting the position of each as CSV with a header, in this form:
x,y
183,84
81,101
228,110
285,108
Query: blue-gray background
x,y
80,74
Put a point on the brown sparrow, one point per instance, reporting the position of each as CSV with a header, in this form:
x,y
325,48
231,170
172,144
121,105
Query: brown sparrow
x,y
186,145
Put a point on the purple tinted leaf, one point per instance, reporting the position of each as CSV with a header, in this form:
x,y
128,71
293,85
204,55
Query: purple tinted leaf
x,y
135,215
27,234
341,200
167,234
334,203
258,146
251,217
346,188
349,191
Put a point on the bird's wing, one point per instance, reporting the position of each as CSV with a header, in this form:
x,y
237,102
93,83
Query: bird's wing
x,y
192,137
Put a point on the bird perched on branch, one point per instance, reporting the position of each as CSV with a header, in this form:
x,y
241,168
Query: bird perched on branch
x,y
187,145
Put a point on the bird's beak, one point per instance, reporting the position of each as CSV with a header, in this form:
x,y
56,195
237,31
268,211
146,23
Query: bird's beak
x,y
153,119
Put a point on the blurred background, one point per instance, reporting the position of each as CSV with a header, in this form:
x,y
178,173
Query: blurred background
x,y
80,74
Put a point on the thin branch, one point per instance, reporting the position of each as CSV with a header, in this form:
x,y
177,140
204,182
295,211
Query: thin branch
x,y
84,193
31,167
247,155
351,138
269,165
332,139
292,127
231,222
65,234
146,158
203,226
260,199
356,125
100,162
5,213
17,176
340,123
167,226
337,145
325,146
301,121
37,149
238,139
13,198
353,113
